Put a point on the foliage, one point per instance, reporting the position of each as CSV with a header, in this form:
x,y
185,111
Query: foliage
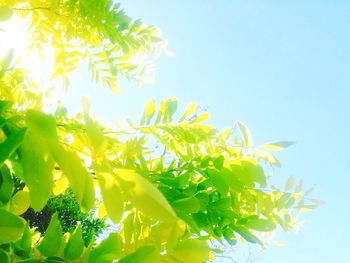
x,y
171,183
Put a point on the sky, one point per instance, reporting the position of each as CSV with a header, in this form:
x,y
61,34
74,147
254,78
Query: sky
x,y
282,67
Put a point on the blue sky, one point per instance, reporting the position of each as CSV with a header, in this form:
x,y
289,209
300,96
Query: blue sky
x,y
282,67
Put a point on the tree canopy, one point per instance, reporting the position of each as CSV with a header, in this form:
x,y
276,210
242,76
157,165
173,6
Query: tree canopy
x,y
171,183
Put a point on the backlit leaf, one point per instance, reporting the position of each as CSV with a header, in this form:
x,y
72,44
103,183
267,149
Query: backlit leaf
x,y
146,197
246,134
5,13
52,240
111,195
11,227
277,146
107,250
75,245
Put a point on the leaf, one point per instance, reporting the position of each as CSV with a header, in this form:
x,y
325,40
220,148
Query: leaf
x,y
289,184
11,227
20,202
190,110
246,134
4,257
245,233
277,146
202,117
52,240
145,254
6,185
6,13
6,63
41,124
79,179
25,243
268,157
258,224
191,250
75,245
111,195
12,142
108,250
146,197
37,166
150,108
187,205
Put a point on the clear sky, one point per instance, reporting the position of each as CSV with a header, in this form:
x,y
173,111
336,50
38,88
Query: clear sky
x,y
282,67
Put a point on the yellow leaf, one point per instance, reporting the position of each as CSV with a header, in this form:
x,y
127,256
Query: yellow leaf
x,y
20,202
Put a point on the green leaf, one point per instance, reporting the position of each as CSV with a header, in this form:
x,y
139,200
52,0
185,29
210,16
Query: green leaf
x,y
111,195
12,142
25,243
277,146
4,257
37,164
191,250
11,227
79,179
146,197
187,205
289,184
6,61
6,13
75,245
108,250
4,105
145,254
6,185
41,124
246,134
258,224
245,233
20,202
52,240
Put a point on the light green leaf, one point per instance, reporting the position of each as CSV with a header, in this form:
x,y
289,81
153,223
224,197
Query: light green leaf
x,y
204,116
277,146
267,156
111,195
289,184
79,179
245,233
20,202
191,250
12,142
246,134
260,224
6,13
145,254
150,108
11,227
108,250
25,243
41,124
37,164
52,240
75,245
146,197
190,110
